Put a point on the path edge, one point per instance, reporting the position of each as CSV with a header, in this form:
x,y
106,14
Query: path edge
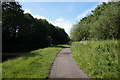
x,y
52,65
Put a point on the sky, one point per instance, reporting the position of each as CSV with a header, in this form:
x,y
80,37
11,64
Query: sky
x,y
61,14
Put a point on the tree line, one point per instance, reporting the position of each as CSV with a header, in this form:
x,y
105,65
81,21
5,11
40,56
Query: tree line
x,y
21,31
102,24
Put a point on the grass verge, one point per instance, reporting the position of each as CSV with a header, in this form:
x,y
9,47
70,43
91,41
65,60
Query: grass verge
x,y
0,71
35,64
99,59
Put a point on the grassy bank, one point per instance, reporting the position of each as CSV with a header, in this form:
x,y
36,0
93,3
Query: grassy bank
x,y
99,59
0,71
35,64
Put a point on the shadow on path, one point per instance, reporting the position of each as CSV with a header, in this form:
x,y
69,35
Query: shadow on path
x,y
64,66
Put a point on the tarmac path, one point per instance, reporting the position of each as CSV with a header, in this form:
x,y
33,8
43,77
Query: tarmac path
x,y
64,66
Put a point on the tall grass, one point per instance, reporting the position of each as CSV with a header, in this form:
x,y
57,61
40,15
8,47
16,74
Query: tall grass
x,y
0,71
99,59
35,64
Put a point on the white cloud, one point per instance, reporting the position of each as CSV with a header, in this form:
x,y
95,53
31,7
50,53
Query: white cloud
x,y
60,22
35,16
27,11
42,17
63,23
60,19
39,17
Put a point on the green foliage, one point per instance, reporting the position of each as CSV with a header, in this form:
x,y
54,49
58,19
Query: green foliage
x,y
0,71
99,59
35,64
24,32
102,24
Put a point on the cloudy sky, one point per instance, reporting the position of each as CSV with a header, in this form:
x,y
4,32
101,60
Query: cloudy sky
x,y
62,14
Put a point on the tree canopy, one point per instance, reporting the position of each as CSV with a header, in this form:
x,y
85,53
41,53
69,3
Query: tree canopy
x,y
102,24
21,31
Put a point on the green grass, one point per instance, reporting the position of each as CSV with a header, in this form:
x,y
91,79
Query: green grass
x,y
35,64
99,59
0,71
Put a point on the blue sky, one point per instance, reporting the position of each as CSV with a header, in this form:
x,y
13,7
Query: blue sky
x,y
62,14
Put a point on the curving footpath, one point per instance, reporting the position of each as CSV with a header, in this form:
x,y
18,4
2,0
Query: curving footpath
x,y
64,66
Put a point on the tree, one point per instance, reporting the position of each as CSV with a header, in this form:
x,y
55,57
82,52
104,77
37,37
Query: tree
x,y
101,25
23,32
12,16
